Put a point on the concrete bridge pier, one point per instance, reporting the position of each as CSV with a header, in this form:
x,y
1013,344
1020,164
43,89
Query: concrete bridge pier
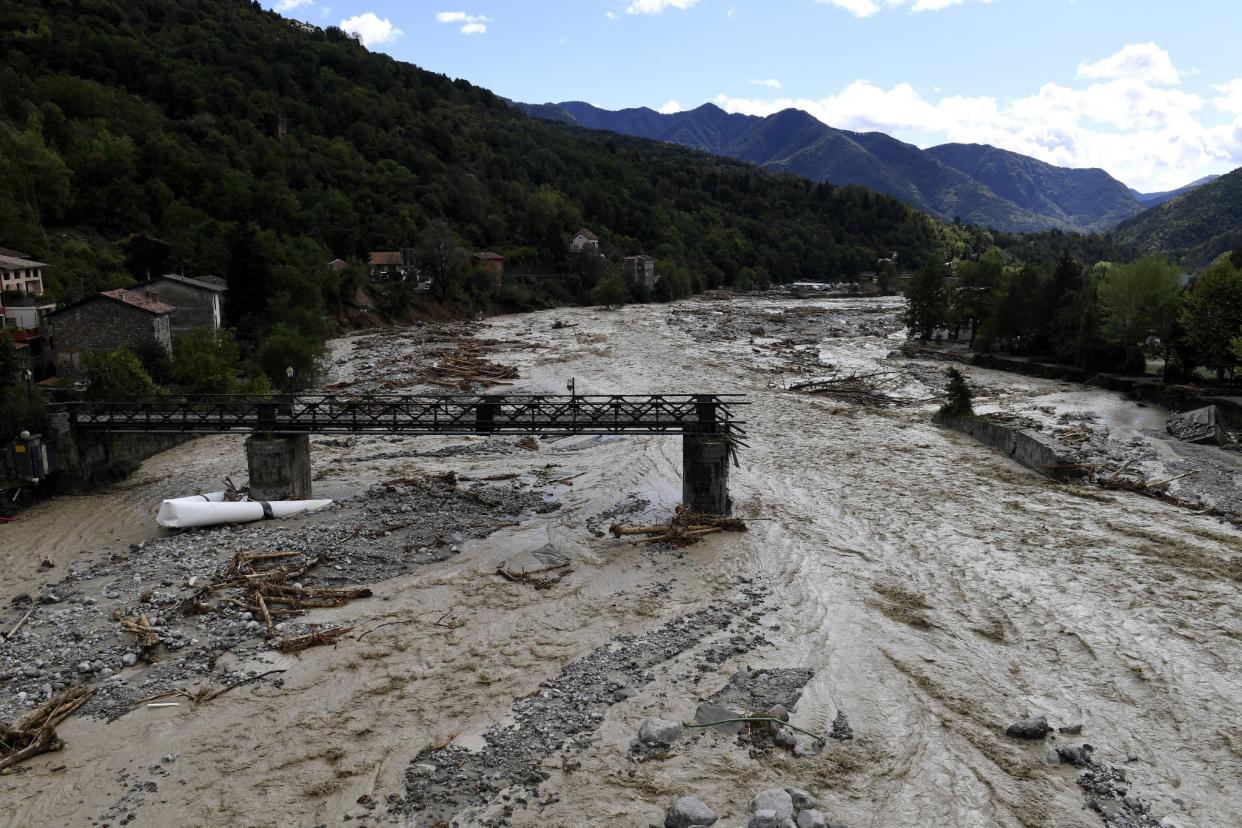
x,y
705,474
280,467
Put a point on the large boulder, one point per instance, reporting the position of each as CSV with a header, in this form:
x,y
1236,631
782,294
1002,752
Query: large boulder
x,y
658,731
687,812
775,800
811,818
1035,727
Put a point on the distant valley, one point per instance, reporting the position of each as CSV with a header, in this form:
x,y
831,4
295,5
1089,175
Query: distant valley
x,y
977,183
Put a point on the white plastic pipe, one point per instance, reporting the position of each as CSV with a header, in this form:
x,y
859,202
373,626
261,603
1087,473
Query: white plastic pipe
x,y
212,510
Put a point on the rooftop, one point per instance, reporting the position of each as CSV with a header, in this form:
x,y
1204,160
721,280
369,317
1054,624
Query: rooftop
x,y
381,258
17,263
216,285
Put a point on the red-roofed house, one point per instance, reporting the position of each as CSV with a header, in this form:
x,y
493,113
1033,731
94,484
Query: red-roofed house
x,y
106,321
388,264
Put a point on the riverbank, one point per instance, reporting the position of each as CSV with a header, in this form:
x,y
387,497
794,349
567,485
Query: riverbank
x,y
1147,389
924,591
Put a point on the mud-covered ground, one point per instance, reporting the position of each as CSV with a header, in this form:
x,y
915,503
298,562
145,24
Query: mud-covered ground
x,y
900,584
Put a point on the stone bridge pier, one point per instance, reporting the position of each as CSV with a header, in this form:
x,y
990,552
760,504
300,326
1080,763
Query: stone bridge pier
x,y
279,466
705,456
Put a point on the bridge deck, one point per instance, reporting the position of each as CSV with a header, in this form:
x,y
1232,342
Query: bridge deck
x,y
417,414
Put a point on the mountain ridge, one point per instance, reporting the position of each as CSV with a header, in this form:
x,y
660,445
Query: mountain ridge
x,y
977,183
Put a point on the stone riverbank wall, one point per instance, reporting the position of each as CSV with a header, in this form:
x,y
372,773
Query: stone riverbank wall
x,y
84,461
1032,449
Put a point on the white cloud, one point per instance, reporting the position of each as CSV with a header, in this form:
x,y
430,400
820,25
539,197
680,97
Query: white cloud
x,y
1137,61
1145,133
771,83
611,15
372,29
670,108
866,8
286,6
657,6
472,24
1230,99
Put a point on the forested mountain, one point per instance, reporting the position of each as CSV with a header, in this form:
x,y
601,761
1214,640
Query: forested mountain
x,y
259,148
1193,228
977,183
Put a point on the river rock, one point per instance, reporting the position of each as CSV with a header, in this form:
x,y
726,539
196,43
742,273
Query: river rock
x,y
653,730
129,659
784,738
688,811
1035,727
802,799
811,818
775,800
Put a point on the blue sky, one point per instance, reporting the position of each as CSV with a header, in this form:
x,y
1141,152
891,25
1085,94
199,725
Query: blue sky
x,y
1150,90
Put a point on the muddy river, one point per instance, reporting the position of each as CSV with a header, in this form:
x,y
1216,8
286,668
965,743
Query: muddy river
x,y
936,590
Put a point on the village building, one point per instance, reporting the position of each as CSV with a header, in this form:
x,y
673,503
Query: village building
x,y
489,262
19,274
388,264
104,322
337,265
199,303
21,291
584,241
640,270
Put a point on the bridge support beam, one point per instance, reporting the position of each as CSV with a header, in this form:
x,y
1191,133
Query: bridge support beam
x,y
705,474
279,465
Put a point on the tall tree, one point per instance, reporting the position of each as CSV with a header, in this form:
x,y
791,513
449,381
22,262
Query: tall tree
x,y
1212,315
927,301
1140,302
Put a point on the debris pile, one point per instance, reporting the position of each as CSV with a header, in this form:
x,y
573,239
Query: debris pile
x,y
35,732
684,529
275,589
870,388
464,368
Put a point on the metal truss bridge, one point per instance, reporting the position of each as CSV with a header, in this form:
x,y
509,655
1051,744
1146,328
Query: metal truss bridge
x,y
540,414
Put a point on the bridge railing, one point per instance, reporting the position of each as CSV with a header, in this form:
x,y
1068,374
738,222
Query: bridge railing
x,y
418,414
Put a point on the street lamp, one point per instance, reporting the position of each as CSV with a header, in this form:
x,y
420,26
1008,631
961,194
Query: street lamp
x,y
28,376
289,379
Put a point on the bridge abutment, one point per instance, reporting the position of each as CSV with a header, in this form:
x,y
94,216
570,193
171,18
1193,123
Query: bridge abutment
x,y
280,467
705,474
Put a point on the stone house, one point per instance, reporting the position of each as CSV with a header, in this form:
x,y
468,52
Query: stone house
x,y
199,303
489,262
104,322
640,270
584,241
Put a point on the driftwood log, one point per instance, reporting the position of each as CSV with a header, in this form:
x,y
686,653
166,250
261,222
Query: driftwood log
x,y
685,528
35,732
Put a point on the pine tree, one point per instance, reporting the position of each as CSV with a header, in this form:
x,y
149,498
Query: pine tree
x,y
957,396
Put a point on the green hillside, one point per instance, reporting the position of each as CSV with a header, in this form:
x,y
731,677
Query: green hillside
x,y
260,149
1193,228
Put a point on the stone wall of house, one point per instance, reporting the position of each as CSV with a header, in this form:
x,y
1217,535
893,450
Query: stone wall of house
x,y
196,308
104,325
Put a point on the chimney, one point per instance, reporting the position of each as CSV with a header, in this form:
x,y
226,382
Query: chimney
x,y
153,296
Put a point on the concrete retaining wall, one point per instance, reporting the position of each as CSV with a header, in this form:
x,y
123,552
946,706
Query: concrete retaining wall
x,y
1030,448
